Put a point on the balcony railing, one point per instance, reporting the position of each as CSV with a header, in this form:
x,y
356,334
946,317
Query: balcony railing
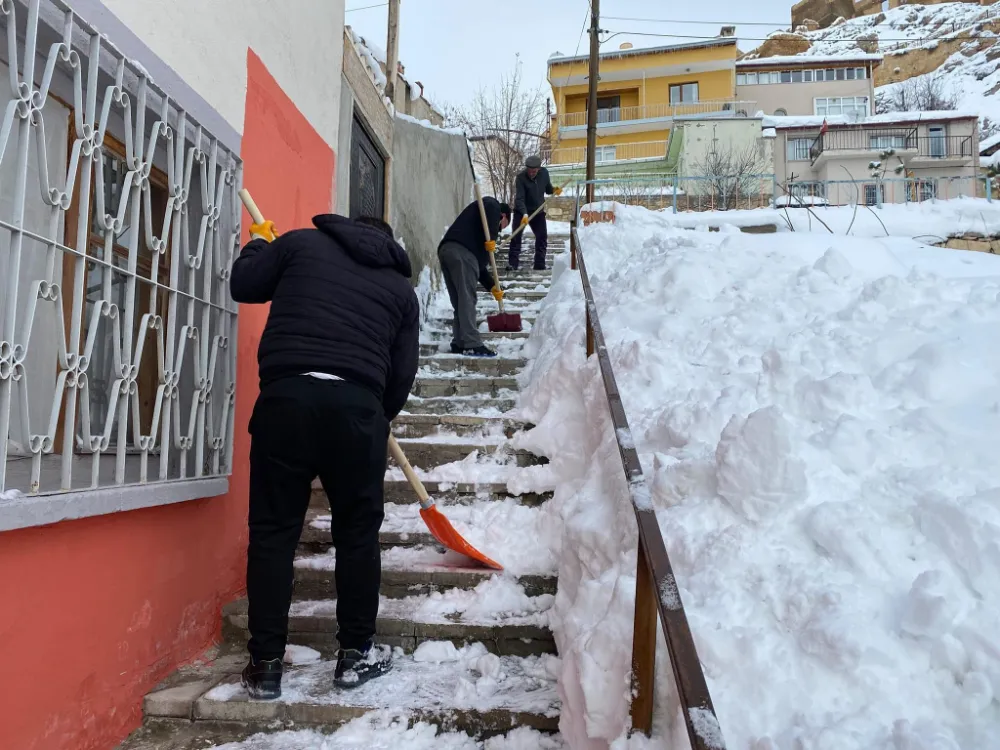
x,y
616,153
945,146
897,139
617,115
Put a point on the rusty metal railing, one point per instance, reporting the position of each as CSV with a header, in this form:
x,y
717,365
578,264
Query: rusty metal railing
x,y
656,592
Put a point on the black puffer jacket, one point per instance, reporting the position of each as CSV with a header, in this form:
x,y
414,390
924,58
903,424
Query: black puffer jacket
x,y
467,231
340,304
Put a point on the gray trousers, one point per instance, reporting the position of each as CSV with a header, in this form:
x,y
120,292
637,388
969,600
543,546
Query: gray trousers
x,y
461,276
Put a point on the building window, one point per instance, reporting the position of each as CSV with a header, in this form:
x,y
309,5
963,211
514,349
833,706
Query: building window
x,y
604,153
683,93
936,142
921,190
841,105
806,190
801,76
609,108
798,149
873,194
780,112
883,142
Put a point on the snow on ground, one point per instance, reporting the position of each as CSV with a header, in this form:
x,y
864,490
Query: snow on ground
x,y
817,415
931,219
392,730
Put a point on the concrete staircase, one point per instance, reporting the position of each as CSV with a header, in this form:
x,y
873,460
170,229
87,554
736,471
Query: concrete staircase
x,y
456,410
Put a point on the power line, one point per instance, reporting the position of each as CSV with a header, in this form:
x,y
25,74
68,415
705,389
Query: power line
x,y
705,23
914,40
366,7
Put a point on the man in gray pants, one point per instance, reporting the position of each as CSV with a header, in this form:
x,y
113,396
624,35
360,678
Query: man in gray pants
x,y
464,253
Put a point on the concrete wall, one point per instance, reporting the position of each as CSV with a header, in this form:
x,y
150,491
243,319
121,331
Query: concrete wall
x,y
431,184
207,45
702,136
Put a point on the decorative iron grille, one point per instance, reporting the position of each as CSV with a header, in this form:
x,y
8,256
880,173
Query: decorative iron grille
x,y
119,221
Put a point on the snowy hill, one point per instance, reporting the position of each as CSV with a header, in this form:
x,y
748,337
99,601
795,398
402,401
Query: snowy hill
x,y
955,42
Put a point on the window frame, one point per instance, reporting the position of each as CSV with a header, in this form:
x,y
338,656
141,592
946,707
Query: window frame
x,y
680,88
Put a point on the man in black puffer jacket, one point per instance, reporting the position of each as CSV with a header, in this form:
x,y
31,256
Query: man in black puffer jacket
x,y
337,359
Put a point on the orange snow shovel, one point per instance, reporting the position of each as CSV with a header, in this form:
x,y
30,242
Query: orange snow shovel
x,y
502,322
439,526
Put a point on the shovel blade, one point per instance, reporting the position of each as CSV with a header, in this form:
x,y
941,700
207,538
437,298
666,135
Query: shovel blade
x,y
504,322
442,530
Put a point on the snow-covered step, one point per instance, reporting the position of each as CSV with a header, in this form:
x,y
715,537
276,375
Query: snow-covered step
x,y
456,363
516,295
435,387
316,538
465,689
409,571
399,492
448,493
481,404
490,338
407,623
444,324
435,450
423,425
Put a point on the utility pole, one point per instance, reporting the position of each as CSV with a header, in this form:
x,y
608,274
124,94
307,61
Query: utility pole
x,y
595,66
392,51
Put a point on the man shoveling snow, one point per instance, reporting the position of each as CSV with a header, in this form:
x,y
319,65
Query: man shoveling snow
x,y
337,359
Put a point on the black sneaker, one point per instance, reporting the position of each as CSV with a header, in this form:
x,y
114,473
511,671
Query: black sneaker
x,y
456,349
263,679
540,268
355,668
479,351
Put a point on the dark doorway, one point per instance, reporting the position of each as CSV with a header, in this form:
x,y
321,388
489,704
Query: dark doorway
x,y
367,174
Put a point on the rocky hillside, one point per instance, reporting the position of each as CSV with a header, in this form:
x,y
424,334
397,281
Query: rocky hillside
x,y
951,45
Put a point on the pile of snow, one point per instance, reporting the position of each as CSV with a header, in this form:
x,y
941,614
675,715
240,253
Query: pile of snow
x,y
817,418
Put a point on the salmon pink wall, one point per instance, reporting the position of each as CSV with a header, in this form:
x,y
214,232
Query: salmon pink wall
x,y
94,613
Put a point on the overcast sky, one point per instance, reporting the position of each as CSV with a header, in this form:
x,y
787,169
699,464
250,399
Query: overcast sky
x,y
454,50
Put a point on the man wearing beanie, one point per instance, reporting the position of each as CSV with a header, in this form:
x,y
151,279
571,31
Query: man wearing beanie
x,y
530,189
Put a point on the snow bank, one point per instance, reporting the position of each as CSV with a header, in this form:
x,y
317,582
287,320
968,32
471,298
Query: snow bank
x,y
817,418
929,219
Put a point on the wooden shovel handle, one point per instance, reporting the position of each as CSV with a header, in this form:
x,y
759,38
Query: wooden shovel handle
x,y
411,476
537,211
255,214
486,233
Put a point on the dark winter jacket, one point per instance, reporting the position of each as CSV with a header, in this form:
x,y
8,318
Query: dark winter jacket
x,y
529,193
340,304
467,231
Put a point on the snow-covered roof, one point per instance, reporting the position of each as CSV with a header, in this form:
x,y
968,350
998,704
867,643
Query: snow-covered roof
x,y
722,41
806,59
889,118
989,145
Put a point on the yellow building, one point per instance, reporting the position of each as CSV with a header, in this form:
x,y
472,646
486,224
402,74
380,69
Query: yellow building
x,y
640,95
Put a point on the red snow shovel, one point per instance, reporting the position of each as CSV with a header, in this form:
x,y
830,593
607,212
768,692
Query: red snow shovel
x,y
502,322
439,526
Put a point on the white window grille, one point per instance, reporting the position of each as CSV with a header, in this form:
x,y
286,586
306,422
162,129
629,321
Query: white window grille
x,y
841,105
798,149
604,153
119,221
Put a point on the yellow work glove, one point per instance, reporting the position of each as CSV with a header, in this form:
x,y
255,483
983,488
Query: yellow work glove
x,y
497,293
264,231
491,246
524,221
557,191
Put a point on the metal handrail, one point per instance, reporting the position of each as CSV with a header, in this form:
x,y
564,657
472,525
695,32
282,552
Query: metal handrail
x,y
656,591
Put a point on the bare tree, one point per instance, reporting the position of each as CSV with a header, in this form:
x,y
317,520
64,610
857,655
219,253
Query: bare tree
x,y
505,124
924,93
729,173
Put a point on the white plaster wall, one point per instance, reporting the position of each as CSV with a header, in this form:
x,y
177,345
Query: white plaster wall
x,y
738,134
206,42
